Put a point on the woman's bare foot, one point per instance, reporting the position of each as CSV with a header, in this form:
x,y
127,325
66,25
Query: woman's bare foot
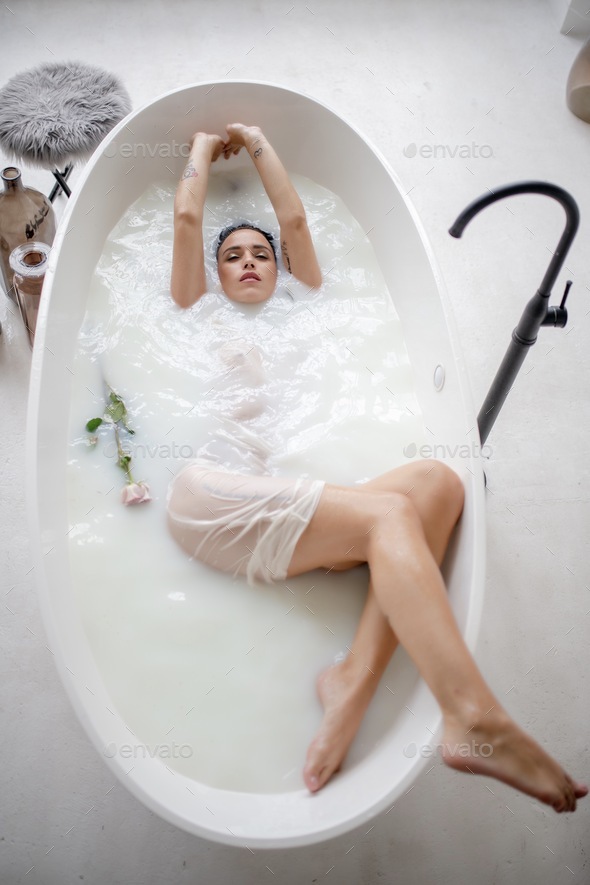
x,y
345,694
498,748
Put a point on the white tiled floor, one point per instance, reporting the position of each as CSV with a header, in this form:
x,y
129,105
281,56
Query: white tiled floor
x,y
490,76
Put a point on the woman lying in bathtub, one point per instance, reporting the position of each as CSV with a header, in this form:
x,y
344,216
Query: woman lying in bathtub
x,y
270,528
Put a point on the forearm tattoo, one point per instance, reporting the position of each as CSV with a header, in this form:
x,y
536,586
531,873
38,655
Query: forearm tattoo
x,y
189,172
285,255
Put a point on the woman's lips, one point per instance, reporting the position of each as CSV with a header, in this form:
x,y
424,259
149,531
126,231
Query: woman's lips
x,y
249,276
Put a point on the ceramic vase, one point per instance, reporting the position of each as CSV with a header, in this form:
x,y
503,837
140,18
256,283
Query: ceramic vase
x,y
26,215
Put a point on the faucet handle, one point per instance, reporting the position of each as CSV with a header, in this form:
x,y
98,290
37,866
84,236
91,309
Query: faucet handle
x,y
557,316
568,286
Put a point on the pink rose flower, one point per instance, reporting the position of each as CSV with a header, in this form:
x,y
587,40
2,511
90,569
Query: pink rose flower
x,y
135,493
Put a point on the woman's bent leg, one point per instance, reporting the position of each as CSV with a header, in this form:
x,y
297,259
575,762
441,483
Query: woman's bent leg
x,y
385,530
345,689
411,592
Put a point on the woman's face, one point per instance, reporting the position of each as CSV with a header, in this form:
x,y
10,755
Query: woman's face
x,y
247,267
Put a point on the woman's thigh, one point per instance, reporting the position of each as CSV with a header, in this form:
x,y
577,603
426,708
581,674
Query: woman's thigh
x,y
436,492
337,537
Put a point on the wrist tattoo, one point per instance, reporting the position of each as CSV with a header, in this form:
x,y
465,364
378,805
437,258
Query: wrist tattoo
x,y
189,172
256,153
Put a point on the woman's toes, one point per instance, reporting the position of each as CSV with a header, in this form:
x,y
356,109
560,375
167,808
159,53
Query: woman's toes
x,y
315,778
318,769
311,781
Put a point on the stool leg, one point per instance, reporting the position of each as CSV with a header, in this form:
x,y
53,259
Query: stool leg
x,y
61,179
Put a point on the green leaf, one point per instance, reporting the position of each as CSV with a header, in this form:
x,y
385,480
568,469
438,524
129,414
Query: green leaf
x,y
123,421
93,424
116,411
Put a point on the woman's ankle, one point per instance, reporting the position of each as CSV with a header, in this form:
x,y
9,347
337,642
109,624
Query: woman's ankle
x,y
475,715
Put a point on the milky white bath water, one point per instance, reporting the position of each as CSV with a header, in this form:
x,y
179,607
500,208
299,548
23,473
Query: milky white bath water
x,y
215,678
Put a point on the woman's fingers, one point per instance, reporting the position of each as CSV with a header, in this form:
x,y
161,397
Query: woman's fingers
x,y
235,132
214,143
231,149
237,138
218,147
216,151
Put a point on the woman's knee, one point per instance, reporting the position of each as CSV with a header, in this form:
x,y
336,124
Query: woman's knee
x,y
431,506
444,485
392,511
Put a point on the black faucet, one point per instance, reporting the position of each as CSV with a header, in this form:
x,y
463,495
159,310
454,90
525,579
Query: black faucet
x,y
537,312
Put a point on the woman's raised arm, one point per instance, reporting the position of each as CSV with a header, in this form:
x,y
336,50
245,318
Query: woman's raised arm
x,y
296,244
188,280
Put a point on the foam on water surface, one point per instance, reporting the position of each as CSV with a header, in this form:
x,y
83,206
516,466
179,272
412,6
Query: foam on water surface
x,y
212,676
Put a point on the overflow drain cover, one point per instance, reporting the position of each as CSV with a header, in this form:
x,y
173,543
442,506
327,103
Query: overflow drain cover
x,y
439,377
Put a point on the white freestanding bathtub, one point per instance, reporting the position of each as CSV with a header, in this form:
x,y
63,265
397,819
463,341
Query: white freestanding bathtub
x,y
315,142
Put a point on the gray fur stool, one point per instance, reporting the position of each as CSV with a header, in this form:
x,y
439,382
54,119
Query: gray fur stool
x,y
57,113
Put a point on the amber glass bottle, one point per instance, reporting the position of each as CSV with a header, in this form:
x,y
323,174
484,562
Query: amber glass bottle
x,y
25,215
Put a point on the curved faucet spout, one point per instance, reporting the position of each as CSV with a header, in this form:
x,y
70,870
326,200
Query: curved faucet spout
x,y
530,187
536,313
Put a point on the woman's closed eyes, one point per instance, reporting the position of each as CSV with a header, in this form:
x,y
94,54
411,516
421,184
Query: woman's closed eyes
x,y
261,255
